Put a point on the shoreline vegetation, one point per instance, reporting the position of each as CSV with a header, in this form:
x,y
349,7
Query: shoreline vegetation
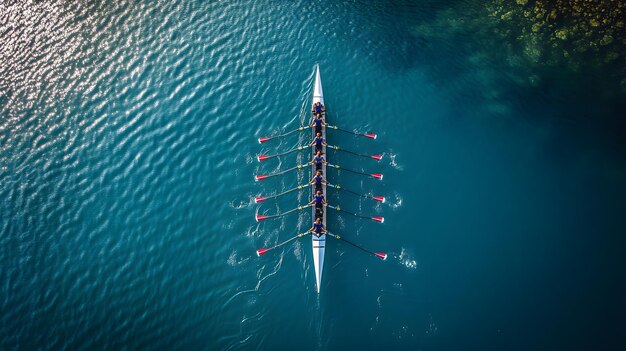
x,y
580,36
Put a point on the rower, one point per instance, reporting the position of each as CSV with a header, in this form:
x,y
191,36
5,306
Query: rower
x,y
318,160
319,201
318,180
318,228
318,108
319,141
318,122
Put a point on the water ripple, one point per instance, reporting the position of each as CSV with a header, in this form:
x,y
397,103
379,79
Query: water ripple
x,y
127,153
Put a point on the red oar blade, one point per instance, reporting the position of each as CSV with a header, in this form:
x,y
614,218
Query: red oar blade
x,y
382,256
377,176
379,219
259,177
379,198
377,157
264,139
259,199
260,217
262,158
372,136
260,252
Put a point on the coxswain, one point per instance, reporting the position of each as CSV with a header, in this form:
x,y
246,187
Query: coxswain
x,y
318,180
318,142
318,122
318,228
318,160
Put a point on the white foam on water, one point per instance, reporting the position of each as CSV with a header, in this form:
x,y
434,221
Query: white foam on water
x,y
406,260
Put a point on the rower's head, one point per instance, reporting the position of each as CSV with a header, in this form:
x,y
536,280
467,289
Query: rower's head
x,y
319,135
318,220
319,193
318,154
319,173
319,115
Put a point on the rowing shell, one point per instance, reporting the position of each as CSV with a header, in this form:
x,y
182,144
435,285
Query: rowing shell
x,y
319,244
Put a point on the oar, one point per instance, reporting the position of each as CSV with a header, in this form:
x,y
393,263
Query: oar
x,y
263,198
262,158
264,250
375,218
377,198
369,135
299,208
376,157
264,139
381,255
259,177
374,175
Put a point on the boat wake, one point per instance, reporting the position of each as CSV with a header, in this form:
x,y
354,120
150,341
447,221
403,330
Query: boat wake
x,y
297,251
307,86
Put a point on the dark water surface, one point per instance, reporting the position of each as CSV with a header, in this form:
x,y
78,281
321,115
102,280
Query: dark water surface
x,y
127,144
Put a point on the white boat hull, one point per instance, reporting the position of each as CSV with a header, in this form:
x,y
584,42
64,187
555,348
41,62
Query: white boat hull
x,y
319,244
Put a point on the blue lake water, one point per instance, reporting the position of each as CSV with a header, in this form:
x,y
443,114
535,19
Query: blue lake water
x,y
127,154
